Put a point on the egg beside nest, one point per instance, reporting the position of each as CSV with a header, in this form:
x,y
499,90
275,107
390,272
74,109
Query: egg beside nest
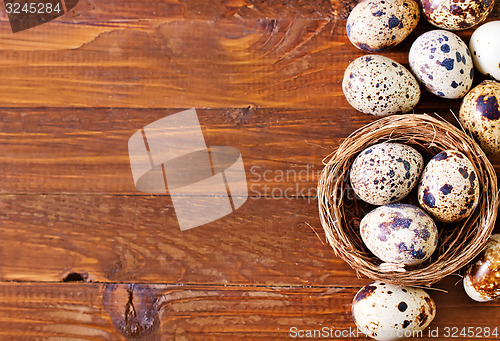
x,y
387,311
482,277
480,115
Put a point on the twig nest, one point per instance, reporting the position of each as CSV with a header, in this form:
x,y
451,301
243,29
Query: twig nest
x,y
341,211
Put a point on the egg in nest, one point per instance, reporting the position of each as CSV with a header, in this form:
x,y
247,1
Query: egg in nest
x,y
399,234
449,187
386,172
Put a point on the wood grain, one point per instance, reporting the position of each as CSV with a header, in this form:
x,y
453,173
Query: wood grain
x,y
266,76
85,151
229,63
102,12
172,312
137,239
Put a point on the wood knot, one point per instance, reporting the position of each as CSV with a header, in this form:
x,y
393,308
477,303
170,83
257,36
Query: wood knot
x,y
132,309
239,116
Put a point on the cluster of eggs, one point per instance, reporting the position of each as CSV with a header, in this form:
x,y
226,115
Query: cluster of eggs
x,y
439,60
402,234
383,174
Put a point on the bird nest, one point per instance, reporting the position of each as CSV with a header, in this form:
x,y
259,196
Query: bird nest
x,y
341,211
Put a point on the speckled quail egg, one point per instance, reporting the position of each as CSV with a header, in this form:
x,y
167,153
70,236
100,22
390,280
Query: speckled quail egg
x,y
442,62
375,25
380,86
480,115
457,15
386,172
449,187
399,234
482,277
485,48
386,311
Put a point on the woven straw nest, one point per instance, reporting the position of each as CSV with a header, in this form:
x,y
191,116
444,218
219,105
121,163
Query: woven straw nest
x,y
341,212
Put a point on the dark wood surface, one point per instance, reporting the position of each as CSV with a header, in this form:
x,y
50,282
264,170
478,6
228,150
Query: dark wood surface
x,y
85,255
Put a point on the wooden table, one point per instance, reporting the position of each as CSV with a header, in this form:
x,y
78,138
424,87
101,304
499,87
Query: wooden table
x,y
85,255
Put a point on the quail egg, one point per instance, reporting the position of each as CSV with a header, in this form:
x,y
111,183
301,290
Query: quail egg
x,y
399,234
449,187
375,25
386,172
386,311
482,277
480,115
456,15
485,48
380,86
442,62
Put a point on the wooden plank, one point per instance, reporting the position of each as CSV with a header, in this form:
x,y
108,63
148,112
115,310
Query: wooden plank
x,y
98,12
169,312
102,12
86,151
92,18
176,64
137,239
287,63
78,151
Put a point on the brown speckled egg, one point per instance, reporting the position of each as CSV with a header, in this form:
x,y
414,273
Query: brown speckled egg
x,y
457,15
380,86
386,172
482,277
375,25
442,62
387,311
400,234
449,187
480,115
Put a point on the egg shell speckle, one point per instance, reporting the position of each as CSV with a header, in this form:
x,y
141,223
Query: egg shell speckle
x,y
386,311
449,187
386,172
375,25
400,234
480,115
380,86
485,48
482,277
456,15
442,62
